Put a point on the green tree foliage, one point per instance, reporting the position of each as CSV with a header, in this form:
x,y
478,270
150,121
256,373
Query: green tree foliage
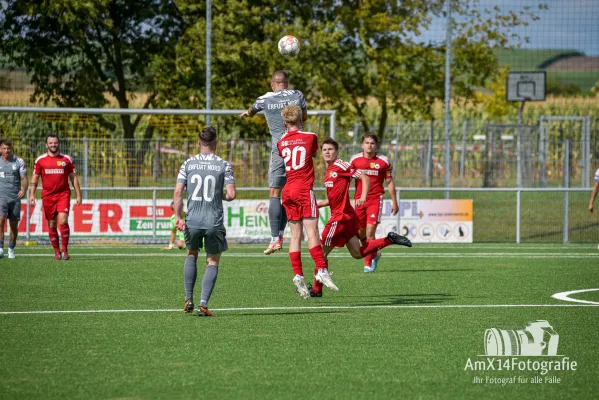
x,y
370,51
80,51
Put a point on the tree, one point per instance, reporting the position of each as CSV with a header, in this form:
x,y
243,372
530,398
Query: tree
x,y
78,52
359,53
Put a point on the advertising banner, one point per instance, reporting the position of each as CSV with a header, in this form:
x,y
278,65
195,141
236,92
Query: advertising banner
x,y
422,221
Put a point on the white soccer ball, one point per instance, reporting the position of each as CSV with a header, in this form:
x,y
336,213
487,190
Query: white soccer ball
x,y
289,46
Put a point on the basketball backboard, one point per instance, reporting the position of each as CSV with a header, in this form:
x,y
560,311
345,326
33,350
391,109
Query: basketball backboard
x,y
529,86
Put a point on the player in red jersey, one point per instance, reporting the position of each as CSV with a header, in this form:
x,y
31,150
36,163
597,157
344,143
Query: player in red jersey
x,y
378,169
343,227
55,169
297,149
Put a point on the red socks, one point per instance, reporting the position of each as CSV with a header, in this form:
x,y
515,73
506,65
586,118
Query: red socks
x,y
318,257
371,246
53,234
296,262
64,237
321,262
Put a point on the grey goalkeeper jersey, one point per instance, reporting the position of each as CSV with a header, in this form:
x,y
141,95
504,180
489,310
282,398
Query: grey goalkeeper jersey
x,y
205,176
10,178
272,103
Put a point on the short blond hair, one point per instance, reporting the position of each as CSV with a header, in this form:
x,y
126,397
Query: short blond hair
x,y
292,114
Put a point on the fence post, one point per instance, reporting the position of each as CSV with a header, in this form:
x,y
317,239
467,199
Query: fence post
x,y
85,166
542,153
28,223
463,155
518,192
587,155
429,155
566,186
399,212
396,147
154,214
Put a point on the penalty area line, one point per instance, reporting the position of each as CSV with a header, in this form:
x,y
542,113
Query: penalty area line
x,y
445,306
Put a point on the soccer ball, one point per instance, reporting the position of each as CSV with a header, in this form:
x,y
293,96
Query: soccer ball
x,y
289,46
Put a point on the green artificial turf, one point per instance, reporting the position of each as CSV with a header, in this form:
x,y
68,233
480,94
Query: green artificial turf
x,y
407,330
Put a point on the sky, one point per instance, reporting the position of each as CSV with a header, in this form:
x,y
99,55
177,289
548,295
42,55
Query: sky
x,y
567,24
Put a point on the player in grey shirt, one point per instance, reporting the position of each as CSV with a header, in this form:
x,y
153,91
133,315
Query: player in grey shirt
x,y
13,186
205,176
272,103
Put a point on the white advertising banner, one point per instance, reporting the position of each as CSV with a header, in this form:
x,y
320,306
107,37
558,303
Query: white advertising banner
x,y
422,221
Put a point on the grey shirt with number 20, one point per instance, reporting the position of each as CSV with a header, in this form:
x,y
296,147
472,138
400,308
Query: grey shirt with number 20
x,y
205,176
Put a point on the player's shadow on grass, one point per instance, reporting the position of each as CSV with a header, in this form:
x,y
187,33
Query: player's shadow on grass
x,y
435,270
252,314
405,299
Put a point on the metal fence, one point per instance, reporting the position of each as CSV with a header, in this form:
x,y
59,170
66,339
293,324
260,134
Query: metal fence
x,y
556,152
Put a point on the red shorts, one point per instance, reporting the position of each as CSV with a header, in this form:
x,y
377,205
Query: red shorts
x,y
370,212
299,204
56,203
338,233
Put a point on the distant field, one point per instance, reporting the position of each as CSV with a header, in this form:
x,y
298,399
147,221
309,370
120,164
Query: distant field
x,y
108,325
529,59
537,60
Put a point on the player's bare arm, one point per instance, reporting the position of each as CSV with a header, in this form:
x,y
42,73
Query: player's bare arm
x,y
593,196
178,200
32,188
24,183
75,183
393,195
324,203
365,188
249,113
231,192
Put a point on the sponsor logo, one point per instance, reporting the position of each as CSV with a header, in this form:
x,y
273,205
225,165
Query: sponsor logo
x,y
370,172
61,163
54,171
372,165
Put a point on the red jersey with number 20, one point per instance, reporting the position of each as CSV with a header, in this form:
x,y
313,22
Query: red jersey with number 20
x,y
297,149
55,173
378,170
337,179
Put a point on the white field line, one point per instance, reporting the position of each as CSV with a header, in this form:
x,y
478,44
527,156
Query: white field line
x,y
447,306
489,246
565,296
340,254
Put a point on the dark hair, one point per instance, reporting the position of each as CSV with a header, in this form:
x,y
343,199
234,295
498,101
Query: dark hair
x,y
208,136
280,76
5,142
371,136
330,141
51,135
